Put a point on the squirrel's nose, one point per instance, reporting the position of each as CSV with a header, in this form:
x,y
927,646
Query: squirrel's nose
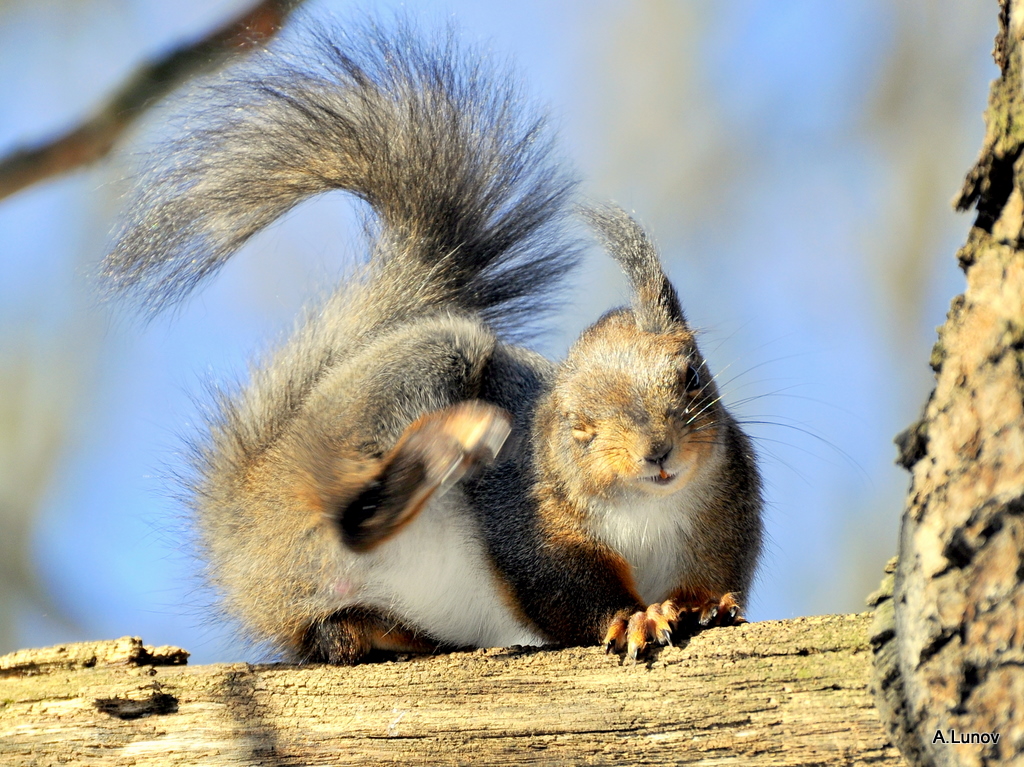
x,y
658,453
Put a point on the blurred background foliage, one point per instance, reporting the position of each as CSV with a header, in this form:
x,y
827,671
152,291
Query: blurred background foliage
x,y
794,160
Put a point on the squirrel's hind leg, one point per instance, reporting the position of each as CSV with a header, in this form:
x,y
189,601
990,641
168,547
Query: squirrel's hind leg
x,y
395,426
434,452
348,636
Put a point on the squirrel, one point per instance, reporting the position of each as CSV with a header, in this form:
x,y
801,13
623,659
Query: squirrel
x,y
404,474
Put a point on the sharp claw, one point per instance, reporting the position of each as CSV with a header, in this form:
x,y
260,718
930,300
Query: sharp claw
x,y
709,616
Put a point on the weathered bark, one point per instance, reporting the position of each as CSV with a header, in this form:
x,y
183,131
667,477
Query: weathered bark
x,y
773,693
952,653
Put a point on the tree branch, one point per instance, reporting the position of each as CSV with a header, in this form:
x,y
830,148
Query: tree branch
x,y
773,693
94,139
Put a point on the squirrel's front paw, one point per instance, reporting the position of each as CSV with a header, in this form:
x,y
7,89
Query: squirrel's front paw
x,y
633,633
706,610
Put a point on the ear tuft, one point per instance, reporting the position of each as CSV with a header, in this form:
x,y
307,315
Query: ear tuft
x,y
655,302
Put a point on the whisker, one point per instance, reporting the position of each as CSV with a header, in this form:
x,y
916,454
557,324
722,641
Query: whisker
x,y
849,459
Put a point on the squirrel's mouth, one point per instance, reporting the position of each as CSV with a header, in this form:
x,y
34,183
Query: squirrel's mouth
x,y
662,478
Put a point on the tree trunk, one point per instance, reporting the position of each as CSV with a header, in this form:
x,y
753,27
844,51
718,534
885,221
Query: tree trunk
x,y
951,657
773,693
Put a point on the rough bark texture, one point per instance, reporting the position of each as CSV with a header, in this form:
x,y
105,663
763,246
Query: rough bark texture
x,y
951,659
773,693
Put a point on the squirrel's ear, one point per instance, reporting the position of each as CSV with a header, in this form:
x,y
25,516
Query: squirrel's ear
x,y
655,302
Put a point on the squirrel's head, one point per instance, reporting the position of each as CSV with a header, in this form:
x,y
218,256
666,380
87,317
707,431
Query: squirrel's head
x,y
634,407
631,411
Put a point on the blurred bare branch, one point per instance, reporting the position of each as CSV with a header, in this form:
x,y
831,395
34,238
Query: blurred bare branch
x,y
94,139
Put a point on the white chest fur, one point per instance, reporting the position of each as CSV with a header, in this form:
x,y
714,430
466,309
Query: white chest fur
x,y
650,533
435,574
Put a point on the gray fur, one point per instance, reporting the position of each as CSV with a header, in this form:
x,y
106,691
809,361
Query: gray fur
x,y
459,172
469,249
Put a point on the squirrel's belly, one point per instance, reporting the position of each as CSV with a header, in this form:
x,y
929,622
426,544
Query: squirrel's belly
x,y
435,574
650,534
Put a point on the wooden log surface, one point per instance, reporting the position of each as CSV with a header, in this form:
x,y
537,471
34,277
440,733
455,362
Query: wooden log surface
x,y
772,693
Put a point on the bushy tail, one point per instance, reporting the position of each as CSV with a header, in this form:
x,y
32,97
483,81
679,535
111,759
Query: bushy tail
x,y
461,177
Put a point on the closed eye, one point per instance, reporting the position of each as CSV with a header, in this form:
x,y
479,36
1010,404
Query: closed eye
x,y
582,435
